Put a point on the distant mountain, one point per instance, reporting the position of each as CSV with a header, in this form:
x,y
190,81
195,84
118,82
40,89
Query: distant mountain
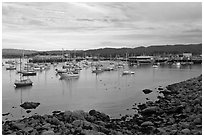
x,y
151,50
196,49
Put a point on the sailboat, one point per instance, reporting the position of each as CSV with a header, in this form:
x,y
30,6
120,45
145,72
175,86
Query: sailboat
x,y
22,82
127,72
28,72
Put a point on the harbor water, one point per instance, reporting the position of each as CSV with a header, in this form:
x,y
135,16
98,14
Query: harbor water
x,y
109,92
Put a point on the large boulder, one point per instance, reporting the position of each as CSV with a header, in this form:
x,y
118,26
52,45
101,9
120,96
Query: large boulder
x,y
30,105
147,91
99,116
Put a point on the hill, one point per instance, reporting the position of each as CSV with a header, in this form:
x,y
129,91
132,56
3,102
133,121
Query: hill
x,y
195,49
13,53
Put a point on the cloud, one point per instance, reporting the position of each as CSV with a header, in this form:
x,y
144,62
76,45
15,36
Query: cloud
x,y
84,25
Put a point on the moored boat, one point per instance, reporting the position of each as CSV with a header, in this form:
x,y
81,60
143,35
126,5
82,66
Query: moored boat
x,y
23,82
11,68
155,66
28,73
61,70
69,75
128,72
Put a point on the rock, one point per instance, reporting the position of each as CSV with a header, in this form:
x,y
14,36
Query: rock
x,y
100,123
184,124
92,112
92,132
78,130
55,112
165,91
149,110
86,125
119,133
79,114
90,118
72,130
161,130
34,122
197,121
77,123
147,123
99,115
198,126
67,115
104,117
54,121
30,105
68,125
5,114
49,132
28,129
142,106
147,91
28,111
18,126
160,88
104,130
46,126
186,131
173,132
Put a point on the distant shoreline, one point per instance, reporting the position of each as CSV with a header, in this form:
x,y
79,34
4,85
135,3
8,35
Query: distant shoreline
x,y
195,49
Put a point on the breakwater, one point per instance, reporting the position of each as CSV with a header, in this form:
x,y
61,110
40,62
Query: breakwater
x,y
178,111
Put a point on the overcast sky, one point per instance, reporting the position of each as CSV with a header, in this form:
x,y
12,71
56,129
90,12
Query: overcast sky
x,y
51,26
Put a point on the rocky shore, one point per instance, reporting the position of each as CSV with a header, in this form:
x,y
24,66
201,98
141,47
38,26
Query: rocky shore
x,y
178,111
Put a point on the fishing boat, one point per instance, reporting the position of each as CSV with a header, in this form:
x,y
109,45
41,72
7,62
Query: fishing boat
x,y
22,82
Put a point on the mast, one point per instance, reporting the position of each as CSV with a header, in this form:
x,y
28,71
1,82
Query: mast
x,y
62,54
20,68
126,57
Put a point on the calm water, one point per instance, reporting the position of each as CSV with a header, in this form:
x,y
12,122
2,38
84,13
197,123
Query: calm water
x,y
108,92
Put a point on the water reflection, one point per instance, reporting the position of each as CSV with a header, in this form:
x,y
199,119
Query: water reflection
x,y
67,83
21,90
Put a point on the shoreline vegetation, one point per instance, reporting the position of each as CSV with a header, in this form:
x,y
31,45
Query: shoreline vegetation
x,y
177,111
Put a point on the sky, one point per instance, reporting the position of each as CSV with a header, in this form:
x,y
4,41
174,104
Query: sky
x,y
81,26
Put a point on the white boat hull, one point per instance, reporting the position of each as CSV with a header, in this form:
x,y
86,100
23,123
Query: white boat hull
x,y
128,72
68,75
